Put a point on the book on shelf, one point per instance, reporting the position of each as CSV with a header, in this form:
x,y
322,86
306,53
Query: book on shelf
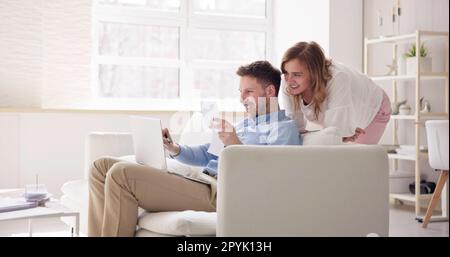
x,y
409,150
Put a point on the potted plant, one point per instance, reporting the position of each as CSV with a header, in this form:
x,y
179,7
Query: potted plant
x,y
425,61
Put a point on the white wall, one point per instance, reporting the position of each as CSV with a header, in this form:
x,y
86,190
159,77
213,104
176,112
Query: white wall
x,y
9,150
335,24
300,20
346,32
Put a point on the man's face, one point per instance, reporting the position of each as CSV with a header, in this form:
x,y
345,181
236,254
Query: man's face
x,y
251,90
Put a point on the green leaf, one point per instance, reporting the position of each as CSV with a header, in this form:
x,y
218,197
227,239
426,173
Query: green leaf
x,y
412,51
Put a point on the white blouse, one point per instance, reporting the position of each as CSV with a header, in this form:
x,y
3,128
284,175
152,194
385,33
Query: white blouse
x,y
353,101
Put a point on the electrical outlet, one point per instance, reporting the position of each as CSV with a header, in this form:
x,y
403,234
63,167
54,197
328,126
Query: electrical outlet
x,y
380,19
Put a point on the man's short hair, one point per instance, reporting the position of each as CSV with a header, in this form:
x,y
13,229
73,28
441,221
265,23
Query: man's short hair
x,y
263,72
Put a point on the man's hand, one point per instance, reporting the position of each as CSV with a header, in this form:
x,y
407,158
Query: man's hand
x,y
173,148
351,139
227,132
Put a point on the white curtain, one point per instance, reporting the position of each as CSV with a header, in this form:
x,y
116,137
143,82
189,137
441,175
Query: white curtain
x,y
45,48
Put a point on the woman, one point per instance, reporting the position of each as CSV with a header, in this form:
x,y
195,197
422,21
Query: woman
x,y
332,95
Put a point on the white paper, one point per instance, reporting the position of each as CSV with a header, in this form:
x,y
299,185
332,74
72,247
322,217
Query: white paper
x,y
8,204
216,146
210,110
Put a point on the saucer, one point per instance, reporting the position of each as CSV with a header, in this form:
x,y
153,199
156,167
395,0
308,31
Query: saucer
x,y
37,197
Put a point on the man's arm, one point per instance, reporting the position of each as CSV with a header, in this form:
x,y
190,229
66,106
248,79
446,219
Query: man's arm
x,y
194,155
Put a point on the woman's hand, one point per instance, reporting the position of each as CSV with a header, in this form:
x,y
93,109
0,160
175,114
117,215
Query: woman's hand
x,y
227,132
173,148
351,139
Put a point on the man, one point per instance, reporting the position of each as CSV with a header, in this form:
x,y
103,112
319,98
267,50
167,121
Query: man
x,y
118,188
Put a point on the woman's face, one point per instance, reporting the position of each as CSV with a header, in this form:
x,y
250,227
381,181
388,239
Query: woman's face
x,y
297,77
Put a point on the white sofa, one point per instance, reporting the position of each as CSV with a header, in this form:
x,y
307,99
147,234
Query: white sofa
x,y
306,190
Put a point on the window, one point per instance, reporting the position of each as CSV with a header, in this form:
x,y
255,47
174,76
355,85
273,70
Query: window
x,y
169,54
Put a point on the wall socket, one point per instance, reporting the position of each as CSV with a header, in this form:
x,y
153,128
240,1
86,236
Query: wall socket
x,y
379,19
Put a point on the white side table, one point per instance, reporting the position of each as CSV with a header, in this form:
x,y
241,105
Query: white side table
x,y
52,209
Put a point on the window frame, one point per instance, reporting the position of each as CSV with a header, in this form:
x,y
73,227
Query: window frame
x,y
187,21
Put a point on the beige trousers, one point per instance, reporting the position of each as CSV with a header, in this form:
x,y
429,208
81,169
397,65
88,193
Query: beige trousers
x,y
118,188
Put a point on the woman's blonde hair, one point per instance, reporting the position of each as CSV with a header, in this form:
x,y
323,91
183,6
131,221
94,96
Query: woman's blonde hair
x,y
311,55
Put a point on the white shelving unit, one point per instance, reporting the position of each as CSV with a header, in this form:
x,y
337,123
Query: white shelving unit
x,y
419,118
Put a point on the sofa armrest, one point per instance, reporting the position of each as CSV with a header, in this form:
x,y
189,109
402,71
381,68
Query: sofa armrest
x,y
303,191
100,144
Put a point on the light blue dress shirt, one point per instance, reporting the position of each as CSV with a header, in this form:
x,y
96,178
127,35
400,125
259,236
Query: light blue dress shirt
x,y
270,129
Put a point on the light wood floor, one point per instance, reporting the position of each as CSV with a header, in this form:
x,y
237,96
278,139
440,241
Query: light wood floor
x,y
403,224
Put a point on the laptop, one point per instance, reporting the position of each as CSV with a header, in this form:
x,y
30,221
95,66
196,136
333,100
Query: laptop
x,y
149,148
148,142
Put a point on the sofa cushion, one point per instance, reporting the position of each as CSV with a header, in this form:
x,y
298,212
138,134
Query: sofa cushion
x,y
77,191
146,233
180,223
326,136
